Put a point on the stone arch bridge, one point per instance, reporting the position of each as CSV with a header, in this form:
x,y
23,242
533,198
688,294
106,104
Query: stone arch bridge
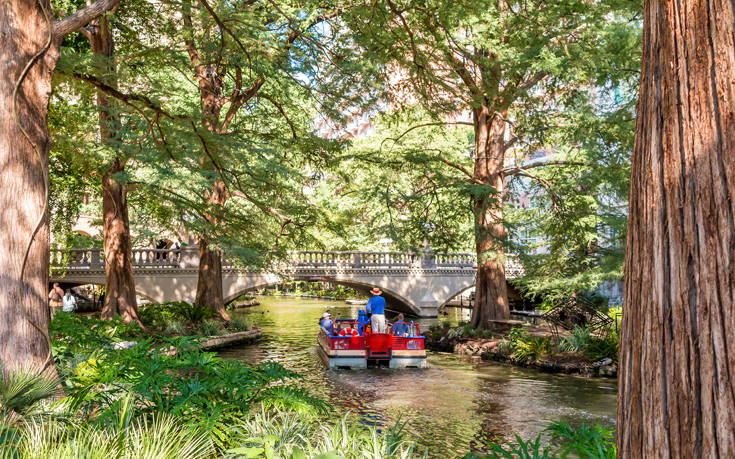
x,y
412,283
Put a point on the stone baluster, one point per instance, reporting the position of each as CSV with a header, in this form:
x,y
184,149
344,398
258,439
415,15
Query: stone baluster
x,y
96,259
189,257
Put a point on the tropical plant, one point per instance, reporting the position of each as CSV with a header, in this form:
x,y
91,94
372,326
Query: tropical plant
x,y
528,348
531,348
592,442
21,392
577,341
161,437
602,347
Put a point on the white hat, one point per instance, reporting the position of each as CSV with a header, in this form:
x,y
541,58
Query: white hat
x,y
325,315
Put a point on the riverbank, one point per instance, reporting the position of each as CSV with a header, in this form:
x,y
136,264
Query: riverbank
x,y
528,346
453,407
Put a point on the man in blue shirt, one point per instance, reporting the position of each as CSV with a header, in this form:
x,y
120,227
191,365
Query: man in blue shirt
x,y
400,328
376,307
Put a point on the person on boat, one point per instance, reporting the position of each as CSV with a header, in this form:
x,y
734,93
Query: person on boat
x,y
400,328
325,323
376,308
362,320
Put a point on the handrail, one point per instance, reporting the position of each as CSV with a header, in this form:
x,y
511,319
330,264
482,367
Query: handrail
x,y
187,257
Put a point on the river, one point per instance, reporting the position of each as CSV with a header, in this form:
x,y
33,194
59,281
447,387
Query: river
x,y
452,405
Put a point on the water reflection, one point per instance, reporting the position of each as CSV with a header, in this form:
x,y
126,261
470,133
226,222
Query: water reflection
x,y
456,402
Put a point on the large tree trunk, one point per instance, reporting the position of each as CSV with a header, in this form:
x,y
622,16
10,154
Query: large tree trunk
x,y
491,291
119,282
676,393
23,164
209,282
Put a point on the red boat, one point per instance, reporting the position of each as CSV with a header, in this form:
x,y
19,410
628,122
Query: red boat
x,y
351,345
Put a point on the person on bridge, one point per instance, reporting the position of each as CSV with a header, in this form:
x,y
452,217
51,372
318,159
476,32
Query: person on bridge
x,y
326,323
376,309
55,298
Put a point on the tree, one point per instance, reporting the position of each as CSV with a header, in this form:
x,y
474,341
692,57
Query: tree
x,y
675,397
120,296
511,70
29,49
232,68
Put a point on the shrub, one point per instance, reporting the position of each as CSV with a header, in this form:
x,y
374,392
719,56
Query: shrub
x,y
600,348
240,323
194,313
210,328
531,348
282,434
577,342
593,442
528,348
174,327
505,348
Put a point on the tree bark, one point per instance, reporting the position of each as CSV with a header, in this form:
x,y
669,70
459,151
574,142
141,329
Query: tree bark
x,y
491,291
677,354
209,282
119,281
23,164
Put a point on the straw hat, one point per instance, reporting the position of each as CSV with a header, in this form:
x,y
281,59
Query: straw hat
x,y
376,291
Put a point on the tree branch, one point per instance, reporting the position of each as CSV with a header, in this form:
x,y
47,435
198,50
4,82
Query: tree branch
x,y
126,98
438,123
516,170
283,113
82,17
238,100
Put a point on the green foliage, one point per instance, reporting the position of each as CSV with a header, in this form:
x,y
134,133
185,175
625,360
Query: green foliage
x,y
161,437
601,347
210,328
577,341
174,327
282,434
240,323
528,348
593,442
170,375
466,330
20,392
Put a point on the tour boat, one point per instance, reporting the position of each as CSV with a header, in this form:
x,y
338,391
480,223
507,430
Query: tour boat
x,y
351,345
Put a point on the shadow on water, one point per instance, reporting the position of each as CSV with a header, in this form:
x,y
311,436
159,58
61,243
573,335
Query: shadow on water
x,y
449,407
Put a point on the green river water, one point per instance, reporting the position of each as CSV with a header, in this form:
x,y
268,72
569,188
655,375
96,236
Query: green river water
x,y
450,406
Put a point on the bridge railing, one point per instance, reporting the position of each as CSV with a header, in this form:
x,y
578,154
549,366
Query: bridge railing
x,y
76,259
455,259
183,258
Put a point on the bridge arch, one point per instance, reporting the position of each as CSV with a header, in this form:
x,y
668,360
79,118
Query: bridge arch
x,y
396,302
